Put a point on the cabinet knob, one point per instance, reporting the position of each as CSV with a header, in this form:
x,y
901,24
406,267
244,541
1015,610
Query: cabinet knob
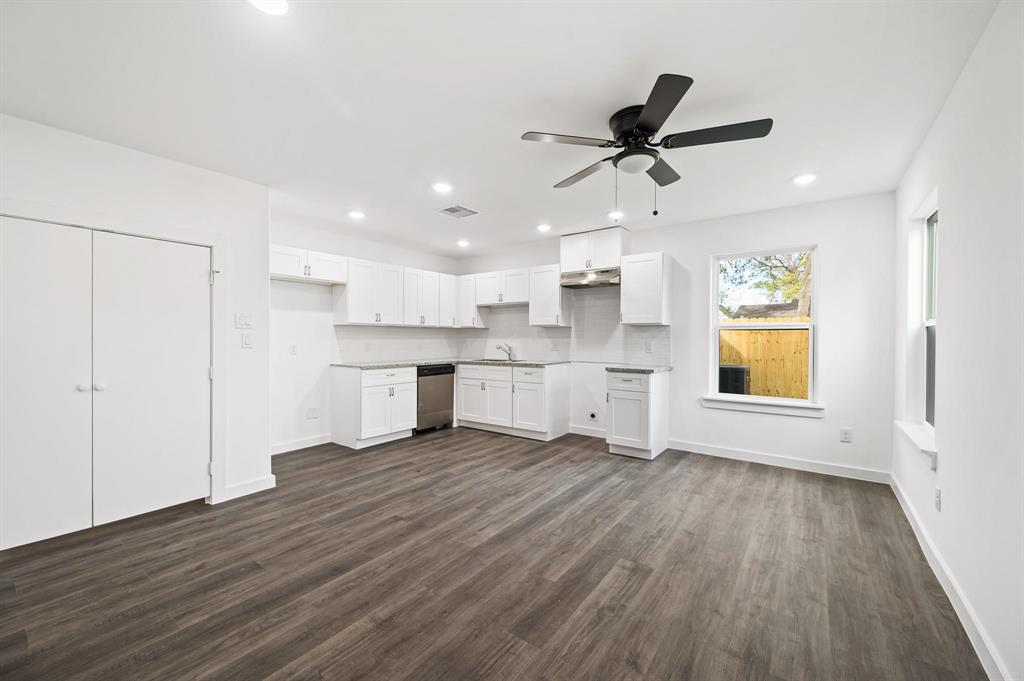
x,y
99,387
83,387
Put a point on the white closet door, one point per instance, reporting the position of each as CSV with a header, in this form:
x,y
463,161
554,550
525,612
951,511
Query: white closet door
x,y
151,356
45,380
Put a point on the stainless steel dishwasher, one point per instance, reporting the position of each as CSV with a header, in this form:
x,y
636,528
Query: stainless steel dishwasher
x,y
435,390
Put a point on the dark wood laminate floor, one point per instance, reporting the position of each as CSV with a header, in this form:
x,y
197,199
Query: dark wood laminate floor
x,y
470,555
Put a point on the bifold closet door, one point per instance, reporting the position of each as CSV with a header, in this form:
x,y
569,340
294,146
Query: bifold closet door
x,y
45,380
151,358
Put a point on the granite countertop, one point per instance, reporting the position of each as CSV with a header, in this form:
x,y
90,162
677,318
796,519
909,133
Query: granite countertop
x,y
427,362
636,369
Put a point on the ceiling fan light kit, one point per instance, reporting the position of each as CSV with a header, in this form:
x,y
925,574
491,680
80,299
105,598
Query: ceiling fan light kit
x,y
634,128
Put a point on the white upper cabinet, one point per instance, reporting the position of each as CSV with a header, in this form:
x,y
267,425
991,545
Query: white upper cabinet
x,y
549,301
326,268
645,289
287,262
447,300
299,264
598,250
421,297
468,314
373,295
503,288
575,252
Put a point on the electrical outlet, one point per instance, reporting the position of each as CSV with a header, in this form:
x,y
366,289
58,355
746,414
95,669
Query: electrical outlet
x,y
938,499
845,435
243,320
312,414
592,416
293,349
555,346
648,347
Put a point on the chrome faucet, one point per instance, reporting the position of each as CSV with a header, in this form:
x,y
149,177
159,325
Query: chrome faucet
x,y
506,348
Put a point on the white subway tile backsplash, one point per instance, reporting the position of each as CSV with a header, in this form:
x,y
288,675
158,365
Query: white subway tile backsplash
x,y
596,336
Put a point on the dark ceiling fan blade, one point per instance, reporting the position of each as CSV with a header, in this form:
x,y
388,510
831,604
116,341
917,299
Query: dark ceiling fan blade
x,y
566,139
662,173
667,91
586,172
722,133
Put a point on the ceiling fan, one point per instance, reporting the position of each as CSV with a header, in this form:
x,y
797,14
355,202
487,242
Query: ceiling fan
x,y
634,127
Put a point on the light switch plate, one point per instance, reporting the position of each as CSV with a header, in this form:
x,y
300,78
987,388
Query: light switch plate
x,y
243,320
845,435
247,339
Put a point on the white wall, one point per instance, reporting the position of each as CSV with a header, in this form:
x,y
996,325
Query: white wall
x,y
47,173
974,156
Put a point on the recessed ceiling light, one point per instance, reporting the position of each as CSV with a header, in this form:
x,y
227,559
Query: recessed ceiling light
x,y
805,179
462,243
442,187
544,228
356,214
275,7
615,215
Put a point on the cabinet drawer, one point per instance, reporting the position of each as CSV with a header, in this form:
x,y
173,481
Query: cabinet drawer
x,y
485,372
635,382
528,374
372,377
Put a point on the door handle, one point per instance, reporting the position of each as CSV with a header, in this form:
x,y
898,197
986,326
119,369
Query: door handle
x,y
83,387
556,319
99,387
481,385
606,398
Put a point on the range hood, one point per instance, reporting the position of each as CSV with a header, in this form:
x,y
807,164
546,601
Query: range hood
x,y
591,279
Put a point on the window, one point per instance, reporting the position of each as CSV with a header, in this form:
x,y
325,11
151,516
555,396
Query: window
x,y
930,261
763,336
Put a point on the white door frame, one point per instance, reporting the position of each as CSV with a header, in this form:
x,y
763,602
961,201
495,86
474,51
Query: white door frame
x,y
219,331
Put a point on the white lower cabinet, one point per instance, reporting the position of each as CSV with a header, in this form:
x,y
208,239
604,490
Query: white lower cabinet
x,y
370,407
638,414
526,401
528,407
499,402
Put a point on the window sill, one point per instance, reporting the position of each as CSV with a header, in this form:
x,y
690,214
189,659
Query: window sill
x,y
923,437
779,406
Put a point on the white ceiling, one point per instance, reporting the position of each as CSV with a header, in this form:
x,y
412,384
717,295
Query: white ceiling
x,y
338,106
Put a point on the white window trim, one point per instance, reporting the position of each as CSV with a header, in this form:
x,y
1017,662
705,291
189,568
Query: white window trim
x,y
757,403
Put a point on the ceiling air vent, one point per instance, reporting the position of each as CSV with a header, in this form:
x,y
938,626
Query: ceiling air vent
x,y
458,211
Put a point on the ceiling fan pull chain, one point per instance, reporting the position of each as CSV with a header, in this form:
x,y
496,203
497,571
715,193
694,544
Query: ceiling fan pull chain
x,y
655,199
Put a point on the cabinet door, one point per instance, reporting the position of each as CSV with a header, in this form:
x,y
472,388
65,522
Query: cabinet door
x,y
429,298
468,314
286,261
641,290
375,412
605,249
389,293
515,286
45,380
575,251
499,402
545,296
488,286
447,301
413,284
403,407
151,359
472,405
361,292
528,406
628,419
327,267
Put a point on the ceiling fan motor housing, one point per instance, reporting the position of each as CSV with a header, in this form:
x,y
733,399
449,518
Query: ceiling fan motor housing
x,y
623,125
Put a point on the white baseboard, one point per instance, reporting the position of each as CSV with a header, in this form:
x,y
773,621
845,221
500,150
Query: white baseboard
x,y
589,431
990,659
283,447
246,488
855,472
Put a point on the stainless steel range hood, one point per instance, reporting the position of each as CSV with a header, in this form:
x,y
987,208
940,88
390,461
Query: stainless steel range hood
x,y
591,279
